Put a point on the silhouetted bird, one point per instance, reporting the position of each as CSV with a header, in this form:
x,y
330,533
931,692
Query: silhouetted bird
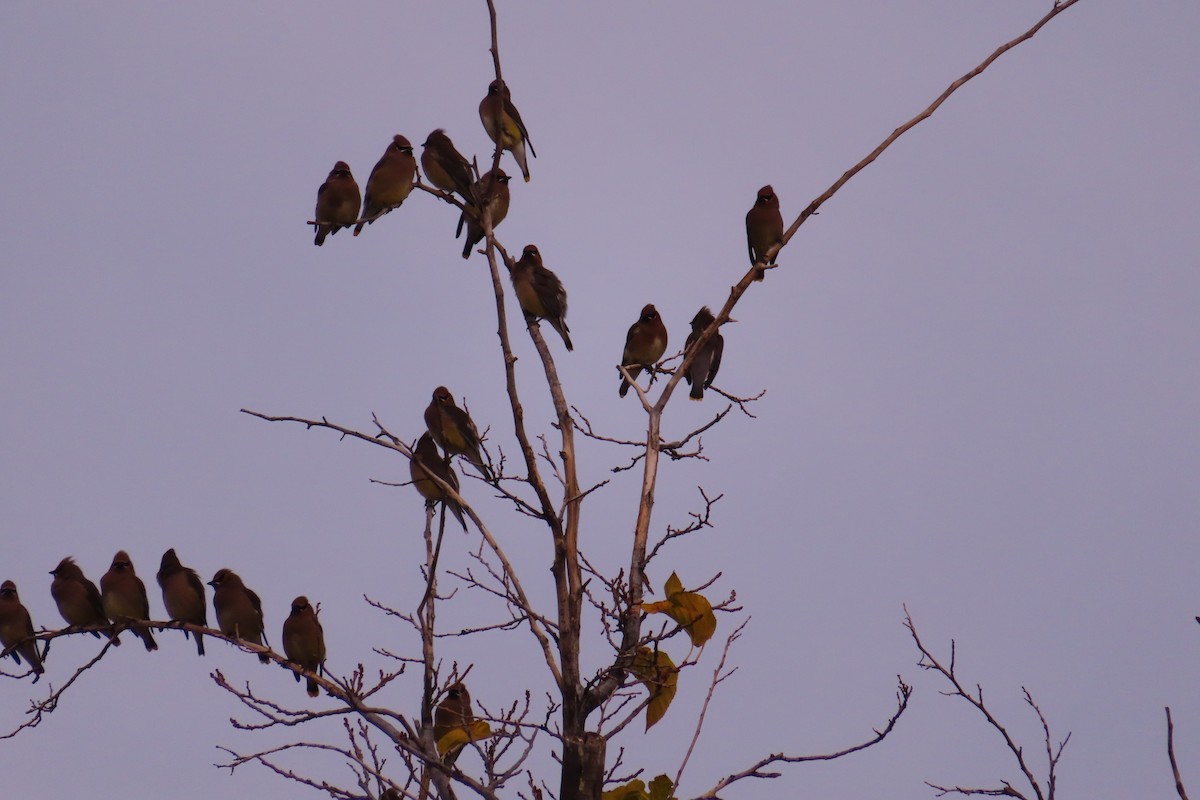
x,y
338,202
644,345
426,455
452,713
445,167
304,641
764,227
540,292
708,360
454,430
16,630
503,123
125,600
78,599
491,191
391,180
239,611
183,594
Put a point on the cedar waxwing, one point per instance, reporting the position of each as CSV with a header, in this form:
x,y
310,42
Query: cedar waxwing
x,y
239,611
426,455
491,192
338,202
453,712
390,181
503,123
708,361
764,227
16,630
78,598
124,597
183,594
445,167
644,345
454,430
540,292
304,641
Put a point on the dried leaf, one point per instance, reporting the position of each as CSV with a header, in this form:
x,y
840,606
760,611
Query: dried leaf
x,y
657,672
691,610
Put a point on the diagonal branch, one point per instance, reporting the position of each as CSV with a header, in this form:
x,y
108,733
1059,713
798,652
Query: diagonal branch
x,y
758,770
1171,755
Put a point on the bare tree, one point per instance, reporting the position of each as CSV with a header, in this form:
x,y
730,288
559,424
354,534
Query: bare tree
x,y
413,753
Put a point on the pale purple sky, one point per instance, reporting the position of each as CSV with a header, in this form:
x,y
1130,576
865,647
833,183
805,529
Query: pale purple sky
x,y
980,362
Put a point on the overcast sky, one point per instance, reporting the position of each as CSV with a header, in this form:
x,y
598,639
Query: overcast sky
x,y
980,363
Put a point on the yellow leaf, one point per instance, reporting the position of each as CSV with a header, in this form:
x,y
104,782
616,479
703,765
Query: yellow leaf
x,y
695,614
692,611
660,788
634,790
456,738
658,674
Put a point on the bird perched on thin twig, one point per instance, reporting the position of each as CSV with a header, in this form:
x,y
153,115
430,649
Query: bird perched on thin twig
x,y
445,167
338,202
644,345
706,363
304,641
125,599
78,599
183,594
491,193
239,611
764,227
503,123
390,182
16,630
454,712
540,292
454,430
428,461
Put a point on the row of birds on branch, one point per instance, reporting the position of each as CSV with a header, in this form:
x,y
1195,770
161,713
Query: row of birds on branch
x,y
339,201
121,603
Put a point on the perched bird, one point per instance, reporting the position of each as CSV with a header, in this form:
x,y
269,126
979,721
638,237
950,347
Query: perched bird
x,y
503,123
124,597
390,182
77,598
452,713
304,641
454,430
426,455
239,611
183,594
764,227
644,345
540,292
338,202
491,193
708,360
16,629
445,167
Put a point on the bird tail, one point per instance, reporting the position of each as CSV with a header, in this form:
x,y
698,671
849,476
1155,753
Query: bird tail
x,y
313,688
561,327
147,638
199,645
697,392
